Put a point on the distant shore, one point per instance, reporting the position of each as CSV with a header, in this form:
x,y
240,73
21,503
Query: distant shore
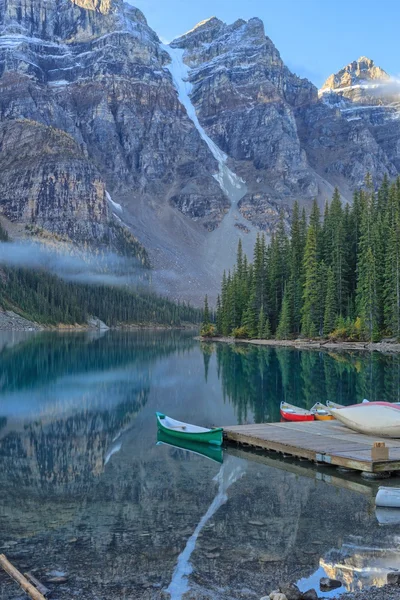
x,y
299,344
11,321
387,592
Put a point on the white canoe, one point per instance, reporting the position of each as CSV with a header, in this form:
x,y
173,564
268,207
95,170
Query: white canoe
x,y
373,418
331,404
388,497
387,516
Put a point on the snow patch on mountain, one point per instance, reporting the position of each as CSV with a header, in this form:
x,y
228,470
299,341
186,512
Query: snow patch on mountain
x,y
180,75
115,205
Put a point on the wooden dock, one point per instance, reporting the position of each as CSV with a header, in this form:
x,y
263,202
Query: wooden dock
x,y
326,442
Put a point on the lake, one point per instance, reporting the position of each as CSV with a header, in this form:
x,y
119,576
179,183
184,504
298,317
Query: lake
x,y
87,493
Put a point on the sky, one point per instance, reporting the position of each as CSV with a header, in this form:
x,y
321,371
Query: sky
x,y
315,37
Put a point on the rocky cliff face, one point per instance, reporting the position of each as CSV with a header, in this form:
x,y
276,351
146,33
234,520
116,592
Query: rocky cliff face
x,y
201,142
95,71
57,188
366,96
245,98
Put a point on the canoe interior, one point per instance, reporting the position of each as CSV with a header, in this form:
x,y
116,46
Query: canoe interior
x,y
187,431
291,409
172,424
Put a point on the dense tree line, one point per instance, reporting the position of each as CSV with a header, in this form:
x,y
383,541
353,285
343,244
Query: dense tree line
x,y
45,298
336,275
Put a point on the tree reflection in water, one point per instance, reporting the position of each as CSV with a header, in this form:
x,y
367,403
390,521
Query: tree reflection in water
x,y
256,379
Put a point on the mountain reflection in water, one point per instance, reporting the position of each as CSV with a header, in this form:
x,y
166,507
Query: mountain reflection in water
x,y
86,490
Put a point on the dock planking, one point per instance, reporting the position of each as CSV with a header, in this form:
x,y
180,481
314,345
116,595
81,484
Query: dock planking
x,y
326,442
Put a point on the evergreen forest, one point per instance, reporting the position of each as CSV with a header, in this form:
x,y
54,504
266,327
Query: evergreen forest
x,y
334,275
44,298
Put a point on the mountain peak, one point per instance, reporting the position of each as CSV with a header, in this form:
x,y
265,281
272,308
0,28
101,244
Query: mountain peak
x,y
361,70
102,6
211,22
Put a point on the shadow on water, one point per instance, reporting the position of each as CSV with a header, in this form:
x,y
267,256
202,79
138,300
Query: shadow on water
x,y
86,490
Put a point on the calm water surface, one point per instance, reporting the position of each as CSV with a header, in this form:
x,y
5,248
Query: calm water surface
x,y
86,490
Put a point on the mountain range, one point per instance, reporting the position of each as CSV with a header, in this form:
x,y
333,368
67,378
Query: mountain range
x,y
187,147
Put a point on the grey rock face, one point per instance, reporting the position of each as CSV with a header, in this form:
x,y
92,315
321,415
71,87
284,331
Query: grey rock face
x,y
367,97
245,98
95,70
91,77
361,71
47,181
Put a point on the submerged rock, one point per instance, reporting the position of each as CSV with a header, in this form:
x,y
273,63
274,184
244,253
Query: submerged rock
x,y
393,578
329,584
310,595
291,591
277,596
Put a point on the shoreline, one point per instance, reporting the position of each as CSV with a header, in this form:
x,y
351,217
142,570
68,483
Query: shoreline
x,y
386,592
384,347
12,322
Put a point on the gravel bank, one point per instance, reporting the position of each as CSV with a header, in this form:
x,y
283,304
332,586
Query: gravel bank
x,y
386,347
388,592
10,321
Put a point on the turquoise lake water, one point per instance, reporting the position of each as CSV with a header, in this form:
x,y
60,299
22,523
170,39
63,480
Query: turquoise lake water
x,y
86,491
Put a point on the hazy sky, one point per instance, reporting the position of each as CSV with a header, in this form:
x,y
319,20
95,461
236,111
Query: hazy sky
x,y
315,37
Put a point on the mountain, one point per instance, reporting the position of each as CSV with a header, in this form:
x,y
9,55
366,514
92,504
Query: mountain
x,y
186,147
365,93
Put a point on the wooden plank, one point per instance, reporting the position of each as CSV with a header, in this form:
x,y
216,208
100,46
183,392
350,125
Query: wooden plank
x,y
339,432
272,445
323,441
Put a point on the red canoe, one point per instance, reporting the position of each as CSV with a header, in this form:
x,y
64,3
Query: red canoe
x,y
294,413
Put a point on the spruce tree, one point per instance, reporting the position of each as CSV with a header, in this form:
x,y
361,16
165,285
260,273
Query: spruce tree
x,y
261,324
206,317
218,319
296,281
310,308
330,304
284,327
267,334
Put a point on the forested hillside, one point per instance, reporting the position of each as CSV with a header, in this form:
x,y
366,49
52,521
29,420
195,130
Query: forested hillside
x,y
335,276
47,299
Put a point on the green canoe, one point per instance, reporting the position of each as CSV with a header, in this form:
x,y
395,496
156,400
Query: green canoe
x,y
206,450
188,432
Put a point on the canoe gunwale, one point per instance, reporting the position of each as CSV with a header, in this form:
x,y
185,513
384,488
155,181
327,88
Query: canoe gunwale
x,y
295,413
209,436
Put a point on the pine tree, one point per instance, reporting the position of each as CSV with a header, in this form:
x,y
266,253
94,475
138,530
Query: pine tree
x,y
250,316
315,223
330,304
219,315
367,294
206,317
267,334
261,324
284,327
310,309
296,281
392,268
